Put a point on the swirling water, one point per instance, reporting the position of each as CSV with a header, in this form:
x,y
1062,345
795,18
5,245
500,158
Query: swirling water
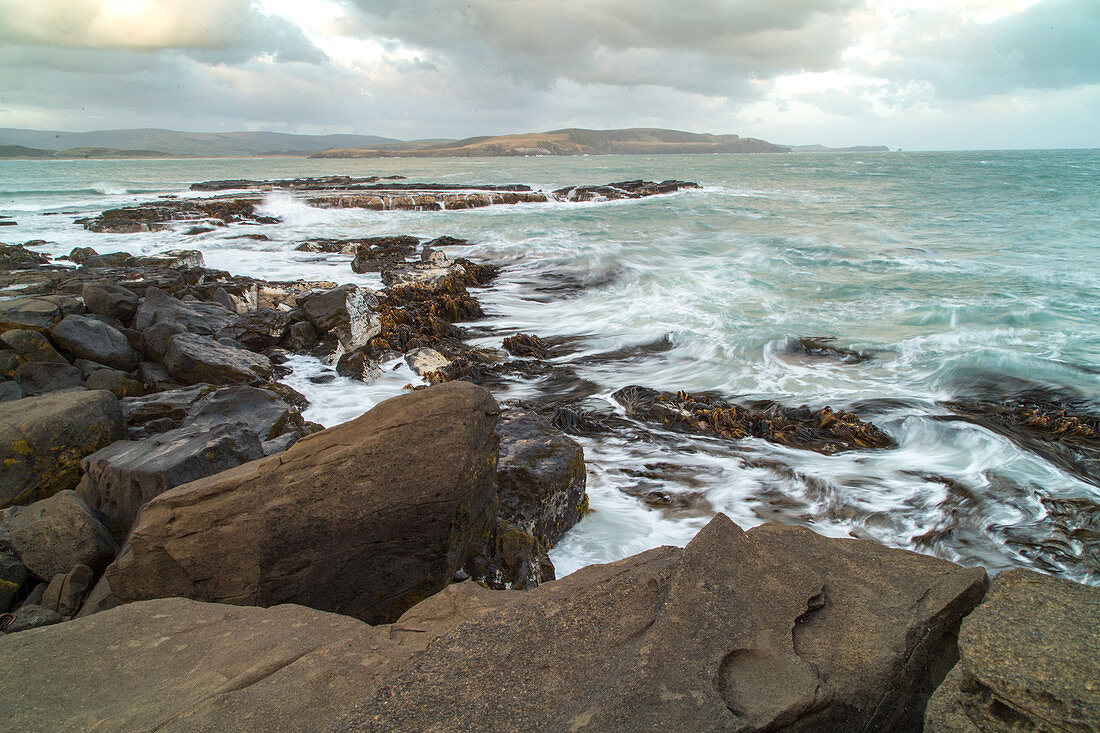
x,y
962,273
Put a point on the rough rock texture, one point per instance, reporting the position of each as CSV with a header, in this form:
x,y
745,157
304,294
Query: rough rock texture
x,y
260,410
31,346
257,330
345,313
739,631
108,299
1027,660
369,517
123,477
40,377
12,576
196,316
54,535
92,339
191,359
172,404
540,485
373,253
36,314
66,592
29,616
540,476
43,439
177,665
426,360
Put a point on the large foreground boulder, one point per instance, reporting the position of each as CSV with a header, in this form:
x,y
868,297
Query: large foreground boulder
x,y
777,628
179,665
1028,660
43,439
365,519
123,477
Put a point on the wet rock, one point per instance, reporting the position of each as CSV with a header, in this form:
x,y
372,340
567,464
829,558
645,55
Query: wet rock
x,y
345,313
540,476
301,336
191,359
257,330
36,314
777,628
172,404
370,517
1027,660
330,246
80,254
430,274
196,316
159,215
43,439
822,348
621,190
541,488
262,411
523,344
180,259
31,346
37,377
111,259
30,616
18,257
375,253
358,364
88,338
55,535
823,431
66,592
110,300
123,477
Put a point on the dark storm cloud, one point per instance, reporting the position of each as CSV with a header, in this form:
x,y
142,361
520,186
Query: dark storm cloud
x,y
1055,44
709,46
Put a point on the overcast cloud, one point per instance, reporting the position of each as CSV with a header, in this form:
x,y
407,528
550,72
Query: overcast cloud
x,y
908,73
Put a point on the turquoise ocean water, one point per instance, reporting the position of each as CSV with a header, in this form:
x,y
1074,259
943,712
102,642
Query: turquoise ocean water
x,y
967,275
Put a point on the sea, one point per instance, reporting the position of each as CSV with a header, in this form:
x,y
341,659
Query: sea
x,y
965,276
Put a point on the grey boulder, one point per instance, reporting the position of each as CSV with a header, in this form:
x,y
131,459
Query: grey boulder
x,y
191,359
54,535
92,339
123,477
108,299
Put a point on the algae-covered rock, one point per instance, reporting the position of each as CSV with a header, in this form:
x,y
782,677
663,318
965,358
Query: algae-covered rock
x,y
44,438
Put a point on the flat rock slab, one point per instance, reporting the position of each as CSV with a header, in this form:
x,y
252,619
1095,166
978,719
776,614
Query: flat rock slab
x,y
777,628
1029,659
366,518
181,665
44,438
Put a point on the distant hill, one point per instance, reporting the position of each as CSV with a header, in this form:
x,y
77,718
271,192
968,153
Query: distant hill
x,y
20,151
643,141
199,144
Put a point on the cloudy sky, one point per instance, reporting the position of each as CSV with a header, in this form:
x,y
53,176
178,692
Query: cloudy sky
x,y
916,74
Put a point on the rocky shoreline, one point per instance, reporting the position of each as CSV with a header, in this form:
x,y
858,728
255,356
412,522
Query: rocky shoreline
x,y
160,483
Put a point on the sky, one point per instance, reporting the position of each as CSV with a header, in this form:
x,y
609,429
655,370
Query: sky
x,y
911,74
